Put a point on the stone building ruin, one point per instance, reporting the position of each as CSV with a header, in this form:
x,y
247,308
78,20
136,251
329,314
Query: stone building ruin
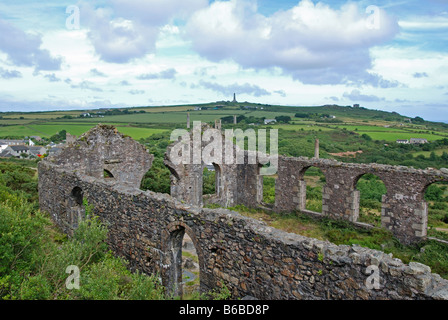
x,y
244,254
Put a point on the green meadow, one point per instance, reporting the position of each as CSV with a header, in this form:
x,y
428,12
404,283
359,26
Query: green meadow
x,y
378,125
48,130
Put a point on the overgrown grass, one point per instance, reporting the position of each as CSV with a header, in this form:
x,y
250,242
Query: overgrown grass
x,y
34,260
430,252
34,254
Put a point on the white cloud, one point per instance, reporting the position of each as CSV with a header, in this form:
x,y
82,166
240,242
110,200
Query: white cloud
x,y
129,29
356,95
156,12
24,49
228,90
420,75
96,73
8,74
52,77
425,23
411,66
311,42
120,40
164,74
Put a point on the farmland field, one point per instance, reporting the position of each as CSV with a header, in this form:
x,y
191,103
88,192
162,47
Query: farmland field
x,y
438,152
42,115
18,130
295,127
393,136
138,133
47,124
47,130
366,128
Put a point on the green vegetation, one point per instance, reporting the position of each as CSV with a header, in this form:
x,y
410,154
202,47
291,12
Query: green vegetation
x,y
208,180
371,190
34,255
30,260
431,253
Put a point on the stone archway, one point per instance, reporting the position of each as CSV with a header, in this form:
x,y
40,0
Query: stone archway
x,y
375,202
172,243
303,196
75,208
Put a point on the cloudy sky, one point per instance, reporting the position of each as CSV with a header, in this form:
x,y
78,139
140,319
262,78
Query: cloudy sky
x,y
62,54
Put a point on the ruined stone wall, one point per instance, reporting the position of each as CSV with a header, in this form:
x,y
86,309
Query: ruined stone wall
x,y
247,256
236,183
104,149
404,211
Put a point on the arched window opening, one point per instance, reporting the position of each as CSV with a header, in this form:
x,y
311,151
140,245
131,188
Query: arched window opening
x,y
314,180
77,195
190,269
158,177
184,274
269,187
76,209
436,197
211,178
371,190
107,174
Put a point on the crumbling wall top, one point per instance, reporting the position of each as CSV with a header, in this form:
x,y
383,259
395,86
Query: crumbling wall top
x,y
104,152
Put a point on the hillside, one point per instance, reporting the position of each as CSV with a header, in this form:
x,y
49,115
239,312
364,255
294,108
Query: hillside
x,y
382,125
347,134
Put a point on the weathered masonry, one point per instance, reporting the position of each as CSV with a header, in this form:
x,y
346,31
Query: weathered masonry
x,y
246,255
404,210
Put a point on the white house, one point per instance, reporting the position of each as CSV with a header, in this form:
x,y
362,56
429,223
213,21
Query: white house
x,y
418,140
18,150
268,121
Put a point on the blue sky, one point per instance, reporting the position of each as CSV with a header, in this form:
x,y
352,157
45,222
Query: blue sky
x,y
392,57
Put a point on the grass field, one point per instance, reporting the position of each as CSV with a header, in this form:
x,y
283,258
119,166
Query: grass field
x,y
42,115
47,130
78,126
369,128
296,127
172,117
46,123
393,136
9,122
438,152
138,133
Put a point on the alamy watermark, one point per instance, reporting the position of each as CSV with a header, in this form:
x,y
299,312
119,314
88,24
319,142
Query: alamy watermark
x,y
72,281
373,21
73,21
373,280
191,149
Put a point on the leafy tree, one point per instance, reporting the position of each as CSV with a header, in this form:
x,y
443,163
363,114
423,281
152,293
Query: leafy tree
x,y
418,120
34,256
59,137
433,193
208,182
283,119
157,179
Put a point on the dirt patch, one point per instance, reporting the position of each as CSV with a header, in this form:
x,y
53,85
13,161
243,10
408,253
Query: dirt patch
x,y
351,154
